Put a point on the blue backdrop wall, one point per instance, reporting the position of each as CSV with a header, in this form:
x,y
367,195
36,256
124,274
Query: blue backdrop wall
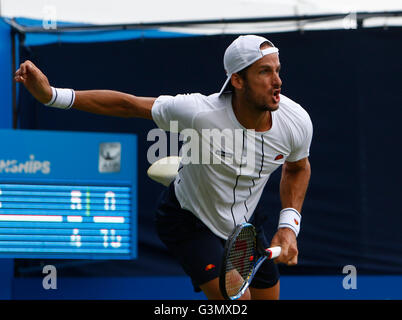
x,y
6,265
5,76
346,79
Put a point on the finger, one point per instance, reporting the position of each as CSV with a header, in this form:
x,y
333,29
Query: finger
x,y
19,79
29,67
30,70
293,261
283,257
289,255
26,67
292,254
23,68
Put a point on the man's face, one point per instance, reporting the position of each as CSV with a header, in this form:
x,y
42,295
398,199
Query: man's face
x,y
262,83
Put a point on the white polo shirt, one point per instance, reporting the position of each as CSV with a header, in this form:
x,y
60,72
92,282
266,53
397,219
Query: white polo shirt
x,y
224,180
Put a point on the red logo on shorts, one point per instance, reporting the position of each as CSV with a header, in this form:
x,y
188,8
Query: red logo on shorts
x,y
279,157
209,267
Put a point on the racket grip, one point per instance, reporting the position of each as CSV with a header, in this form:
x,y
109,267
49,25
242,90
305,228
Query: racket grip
x,y
274,252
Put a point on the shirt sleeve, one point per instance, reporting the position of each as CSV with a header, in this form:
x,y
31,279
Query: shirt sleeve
x,y
301,140
175,113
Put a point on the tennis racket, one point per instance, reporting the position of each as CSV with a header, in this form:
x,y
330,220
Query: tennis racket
x,y
241,260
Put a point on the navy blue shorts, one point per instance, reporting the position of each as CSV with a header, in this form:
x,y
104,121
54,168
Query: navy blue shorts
x,y
198,250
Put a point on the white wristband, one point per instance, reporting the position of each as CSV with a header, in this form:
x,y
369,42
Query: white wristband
x,y
290,218
61,98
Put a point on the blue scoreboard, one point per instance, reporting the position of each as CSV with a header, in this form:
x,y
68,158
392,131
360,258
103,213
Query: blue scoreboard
x,y
68,195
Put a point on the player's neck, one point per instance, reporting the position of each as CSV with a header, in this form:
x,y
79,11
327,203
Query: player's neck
x,y
251,117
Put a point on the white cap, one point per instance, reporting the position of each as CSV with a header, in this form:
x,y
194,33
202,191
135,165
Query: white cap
x,y
242,52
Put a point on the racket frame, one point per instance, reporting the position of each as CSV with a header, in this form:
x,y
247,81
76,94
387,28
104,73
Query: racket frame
x,y
258,254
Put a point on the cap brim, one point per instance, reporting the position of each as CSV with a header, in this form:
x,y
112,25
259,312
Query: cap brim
x,y
225,85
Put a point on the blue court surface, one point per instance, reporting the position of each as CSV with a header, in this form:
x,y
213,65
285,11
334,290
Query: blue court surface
x,y
179,288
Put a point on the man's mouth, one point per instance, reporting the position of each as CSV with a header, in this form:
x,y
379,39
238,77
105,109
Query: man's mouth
x,y
276,95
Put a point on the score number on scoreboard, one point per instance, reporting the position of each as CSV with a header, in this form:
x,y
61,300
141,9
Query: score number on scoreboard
x,y
65,220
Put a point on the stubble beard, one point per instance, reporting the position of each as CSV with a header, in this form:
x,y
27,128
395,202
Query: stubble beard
x,y
258,105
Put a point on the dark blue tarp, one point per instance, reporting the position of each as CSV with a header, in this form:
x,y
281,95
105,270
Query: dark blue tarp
x,y
349,82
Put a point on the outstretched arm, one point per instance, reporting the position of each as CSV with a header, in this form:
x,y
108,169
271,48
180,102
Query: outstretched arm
x,y
105,102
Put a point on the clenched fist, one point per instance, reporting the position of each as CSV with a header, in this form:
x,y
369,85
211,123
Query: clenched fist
x,y
286,239
35,81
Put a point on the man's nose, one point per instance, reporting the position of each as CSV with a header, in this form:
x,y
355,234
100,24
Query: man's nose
x,y
277,82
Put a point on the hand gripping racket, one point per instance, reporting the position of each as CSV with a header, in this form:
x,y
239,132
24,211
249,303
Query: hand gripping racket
x,y
241,260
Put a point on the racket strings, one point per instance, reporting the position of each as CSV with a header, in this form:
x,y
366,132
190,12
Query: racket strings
x,y
240,261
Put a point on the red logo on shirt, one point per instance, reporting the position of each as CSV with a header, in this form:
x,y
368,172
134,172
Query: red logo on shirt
x,y
209,267
279,157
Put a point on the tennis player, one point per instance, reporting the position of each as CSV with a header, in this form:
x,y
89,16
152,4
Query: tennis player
x,y
199,210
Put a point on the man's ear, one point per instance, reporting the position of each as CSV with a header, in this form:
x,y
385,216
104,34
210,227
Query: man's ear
x,y
237,81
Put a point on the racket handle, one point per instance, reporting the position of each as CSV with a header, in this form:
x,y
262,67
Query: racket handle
x,y
273,252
